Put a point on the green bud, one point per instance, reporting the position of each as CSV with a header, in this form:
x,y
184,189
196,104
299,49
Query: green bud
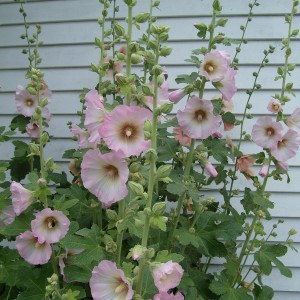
x,y
119,29
147,90
147,125
49,163
31,90
165,51
44,138
100,21
136,59
159,208
149,55
163,171
156,70
147,135
121,56
134,167
38,110
222,22
142,17
34,149
156,3
111,215
133,47
94,68
166,107
291,67
200,26
130,2
121,79
136,188
292,231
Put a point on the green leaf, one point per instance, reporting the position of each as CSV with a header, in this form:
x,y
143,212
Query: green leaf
x,y
63,205
164,256
218,149
79,274
20,224
167,149
228,117
19,122
263,293
185,78
268,254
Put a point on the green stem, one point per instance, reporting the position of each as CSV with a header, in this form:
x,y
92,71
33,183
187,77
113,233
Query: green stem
x,y
101,54
8,294
26,35
99,216
128,57
113,44
121,215
54,265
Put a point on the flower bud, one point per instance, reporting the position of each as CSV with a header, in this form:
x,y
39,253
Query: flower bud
x,y
166,107
163,171
159,208
142,17
176,96
165,51
34,149
119,29
157,70
111,215
136,188
136,59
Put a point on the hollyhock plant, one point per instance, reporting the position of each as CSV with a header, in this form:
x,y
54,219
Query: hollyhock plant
x,y
182,138
109,282
287,147
25,102
274,106
32,129
197,119
94,115
266,132
293,121
215,65
244,163
167,296
32,250
176,95
105,175
123,130
7,216
50,225
21,197
227,85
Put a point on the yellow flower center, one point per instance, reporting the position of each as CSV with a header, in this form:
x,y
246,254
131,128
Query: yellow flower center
x,y
29,102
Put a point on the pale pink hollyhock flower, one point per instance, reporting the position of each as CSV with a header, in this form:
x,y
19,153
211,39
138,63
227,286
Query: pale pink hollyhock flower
x,y
287,147
217,134
266,132
32,129
214,65
176,96
182,138
166,296
7,216
244,163
138,252
50,225
82,135
167,275
263,170
123,129
21,197
210,169
105,175
197,119
274,106
46,114
294,120
94,115
162,95
25,102
227,106
114,67
227,85
109,283
32,250
282,165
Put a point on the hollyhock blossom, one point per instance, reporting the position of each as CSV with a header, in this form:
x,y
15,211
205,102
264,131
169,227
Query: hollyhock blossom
x,y
105,175
227,85
217,134
215,65
274,106
50,225
294,120
167,275
166,296
123,129
25,102
244,163
94,115
282,165
210,169
263,170
46,114
114,67
228,126
109,282
197,119
7,216
176,95
21,197
266,132
32,129
33,251
287,147
82,135
182,138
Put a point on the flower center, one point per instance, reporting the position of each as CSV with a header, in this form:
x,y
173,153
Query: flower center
x,y
35,126
270,131
275,106
51,222
281,144
121,288
209,67
111,171
200,115
29,102
128,131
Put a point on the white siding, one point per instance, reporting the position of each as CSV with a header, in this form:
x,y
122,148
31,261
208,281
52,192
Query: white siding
x,y
68,31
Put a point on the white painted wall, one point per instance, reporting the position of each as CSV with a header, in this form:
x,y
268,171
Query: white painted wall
x,y
68,31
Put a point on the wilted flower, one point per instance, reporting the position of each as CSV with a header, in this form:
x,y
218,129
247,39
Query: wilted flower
x,y
287,147
244,163
266,133
50,225
182,138
25,102
167,296
32,129
228,126
109,283
21,197
197,119
263,170
33,251
176,95
294,120
123,129
167,275
210,169
7,216
274,106
215,65
74,169
105,175
227,84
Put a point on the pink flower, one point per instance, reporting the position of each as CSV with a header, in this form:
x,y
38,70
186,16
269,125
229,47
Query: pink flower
x,y
210,169
114,67
46,114
227,84
21,197
105,175
294,120
217,134
123,130
176,96
244,163
25,102
162,95
274,106
282,165
197,119
266,133
287,147
32,250
166,296
32,129
94,115
167,275
227,106
215,65
109,282
50,225
7,216
264,170
182,138
228,126
82,135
